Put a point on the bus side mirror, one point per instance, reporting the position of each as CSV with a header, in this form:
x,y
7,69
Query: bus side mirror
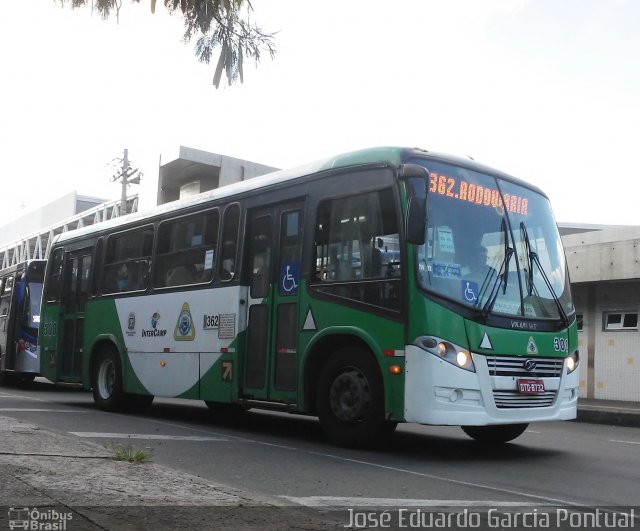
x,y
415,222
416,178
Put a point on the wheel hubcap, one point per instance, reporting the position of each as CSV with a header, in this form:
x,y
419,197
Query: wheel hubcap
x,y
106,379
349,396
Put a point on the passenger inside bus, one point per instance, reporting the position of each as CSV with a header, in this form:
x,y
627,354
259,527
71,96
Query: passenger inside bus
x,y
476,269
123,278
474,262
179,276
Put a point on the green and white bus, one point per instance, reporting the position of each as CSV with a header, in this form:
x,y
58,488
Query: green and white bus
x,y
380,286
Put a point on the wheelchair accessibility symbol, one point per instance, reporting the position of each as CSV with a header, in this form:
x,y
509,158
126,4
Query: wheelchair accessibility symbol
x,y
289,278
469,291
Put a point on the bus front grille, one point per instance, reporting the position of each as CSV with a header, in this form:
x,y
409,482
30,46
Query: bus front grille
x,y
513,399
515,366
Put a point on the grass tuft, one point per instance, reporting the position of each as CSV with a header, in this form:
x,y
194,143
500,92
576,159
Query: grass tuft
x,y
131,454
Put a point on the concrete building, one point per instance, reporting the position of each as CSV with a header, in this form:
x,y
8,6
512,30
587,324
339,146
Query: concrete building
x,y
604,266
194,171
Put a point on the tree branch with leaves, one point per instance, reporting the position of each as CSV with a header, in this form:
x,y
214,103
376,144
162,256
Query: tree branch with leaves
x,y
215,24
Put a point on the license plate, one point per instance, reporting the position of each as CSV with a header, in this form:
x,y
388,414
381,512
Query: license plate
x,y
531,386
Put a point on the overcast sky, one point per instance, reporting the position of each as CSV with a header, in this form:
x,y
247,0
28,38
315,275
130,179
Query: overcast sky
x,y
547,90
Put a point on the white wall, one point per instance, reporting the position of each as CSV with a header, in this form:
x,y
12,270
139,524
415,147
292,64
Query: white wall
x,y
616,353
612,254
28,223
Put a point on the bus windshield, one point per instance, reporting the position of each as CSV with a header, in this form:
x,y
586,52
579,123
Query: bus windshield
x,y
492,245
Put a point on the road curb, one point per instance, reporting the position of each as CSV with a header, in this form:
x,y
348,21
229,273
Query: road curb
x,y
611,417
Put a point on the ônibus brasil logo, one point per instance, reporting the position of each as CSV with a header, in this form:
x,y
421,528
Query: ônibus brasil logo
x,y
45,519
154,331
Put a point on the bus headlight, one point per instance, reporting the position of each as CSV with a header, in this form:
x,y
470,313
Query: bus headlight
x,y
447,351
462,358
572,361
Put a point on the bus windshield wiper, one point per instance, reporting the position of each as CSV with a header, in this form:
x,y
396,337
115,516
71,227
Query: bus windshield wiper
x,y
530,255
503,274
532,258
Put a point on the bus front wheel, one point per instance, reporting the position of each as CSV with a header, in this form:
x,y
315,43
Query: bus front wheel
x,y
350,399
106,380
498,434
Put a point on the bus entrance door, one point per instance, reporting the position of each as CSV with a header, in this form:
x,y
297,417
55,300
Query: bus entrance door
x,y
7,322
274,254
75,290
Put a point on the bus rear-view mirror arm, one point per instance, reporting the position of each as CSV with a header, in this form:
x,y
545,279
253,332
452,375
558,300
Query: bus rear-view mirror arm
x,y
416,178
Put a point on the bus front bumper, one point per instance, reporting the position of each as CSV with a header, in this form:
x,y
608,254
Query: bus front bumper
x,y
437,392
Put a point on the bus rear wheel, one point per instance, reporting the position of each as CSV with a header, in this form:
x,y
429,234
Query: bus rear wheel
x,y
106,381
498,434
350,399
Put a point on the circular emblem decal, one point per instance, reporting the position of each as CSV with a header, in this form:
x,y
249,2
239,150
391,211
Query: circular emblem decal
x,y
529,365
185,324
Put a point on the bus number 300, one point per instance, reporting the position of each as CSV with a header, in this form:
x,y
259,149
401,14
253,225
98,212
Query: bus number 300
x,y
560,344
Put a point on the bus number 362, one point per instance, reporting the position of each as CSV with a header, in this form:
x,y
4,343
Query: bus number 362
x,y
211,321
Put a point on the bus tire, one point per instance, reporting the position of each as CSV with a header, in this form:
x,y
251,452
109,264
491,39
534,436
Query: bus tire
x,y
106,380
26,378
350,399
497,434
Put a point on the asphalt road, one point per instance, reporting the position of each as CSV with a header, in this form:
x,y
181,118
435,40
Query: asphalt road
x,y
288,457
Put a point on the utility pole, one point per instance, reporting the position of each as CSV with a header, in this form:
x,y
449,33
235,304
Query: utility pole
x,y
128,175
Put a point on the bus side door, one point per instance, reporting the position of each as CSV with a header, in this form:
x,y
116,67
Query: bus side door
x,y
274,266
6,323
75,291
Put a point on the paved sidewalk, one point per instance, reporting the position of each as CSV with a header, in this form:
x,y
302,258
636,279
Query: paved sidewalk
x,y
54,478
613,412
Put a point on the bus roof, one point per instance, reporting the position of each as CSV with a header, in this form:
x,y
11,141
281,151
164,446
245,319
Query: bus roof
x,y
391,156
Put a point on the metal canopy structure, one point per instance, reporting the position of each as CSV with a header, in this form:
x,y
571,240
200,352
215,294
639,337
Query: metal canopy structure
x,y
37,245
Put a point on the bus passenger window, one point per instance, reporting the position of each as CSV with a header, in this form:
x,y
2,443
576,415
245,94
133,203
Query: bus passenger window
x,y
5,298
185,253
357,241
55,276
261,249
127,259
229,242
95,283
